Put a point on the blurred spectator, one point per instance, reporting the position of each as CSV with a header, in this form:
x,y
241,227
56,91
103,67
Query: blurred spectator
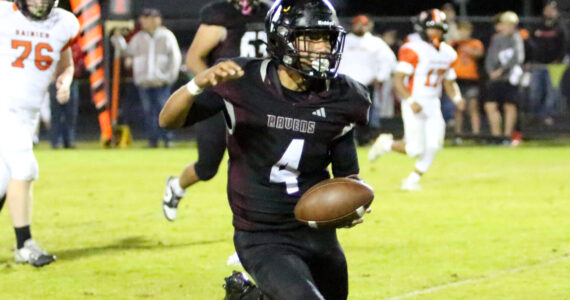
x,y
450,14
503,64
370,61
390,37
157,61
549,43
64,116
385,92
469,50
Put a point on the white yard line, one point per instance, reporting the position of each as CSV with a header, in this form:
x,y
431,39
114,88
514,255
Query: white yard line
x,y
482,278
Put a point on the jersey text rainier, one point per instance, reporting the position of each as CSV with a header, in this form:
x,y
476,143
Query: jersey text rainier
x,y
29,51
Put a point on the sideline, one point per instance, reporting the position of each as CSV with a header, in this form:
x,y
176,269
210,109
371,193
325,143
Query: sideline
x,y
434,289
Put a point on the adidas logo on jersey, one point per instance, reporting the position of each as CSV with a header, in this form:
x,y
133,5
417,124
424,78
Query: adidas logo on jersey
x,y
320,112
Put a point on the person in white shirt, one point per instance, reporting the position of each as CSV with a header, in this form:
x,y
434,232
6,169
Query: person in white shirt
x,y
424,67
35,40
156,64
369,60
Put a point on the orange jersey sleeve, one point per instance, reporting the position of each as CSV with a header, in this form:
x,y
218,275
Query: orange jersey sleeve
x,y
408,55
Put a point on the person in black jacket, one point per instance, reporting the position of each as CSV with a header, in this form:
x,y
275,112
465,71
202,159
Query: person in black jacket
x,y
549,42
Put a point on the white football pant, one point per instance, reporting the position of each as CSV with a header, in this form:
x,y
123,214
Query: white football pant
x,y
424,132
16,145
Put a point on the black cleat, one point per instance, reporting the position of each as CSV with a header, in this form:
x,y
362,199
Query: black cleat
x,y
238,287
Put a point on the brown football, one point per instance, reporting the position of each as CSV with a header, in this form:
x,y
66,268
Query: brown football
x,y
334,203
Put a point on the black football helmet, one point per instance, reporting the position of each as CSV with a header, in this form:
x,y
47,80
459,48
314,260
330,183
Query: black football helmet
x,y
289,19
37,12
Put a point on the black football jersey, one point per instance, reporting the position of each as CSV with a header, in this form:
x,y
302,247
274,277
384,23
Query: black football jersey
x,y
281,142
245,33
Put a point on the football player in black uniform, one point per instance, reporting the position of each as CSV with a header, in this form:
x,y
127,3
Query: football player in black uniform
x,y
288,118
228,29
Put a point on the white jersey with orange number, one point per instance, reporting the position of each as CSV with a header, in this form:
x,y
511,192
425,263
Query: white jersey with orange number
x,y
426,67
29,52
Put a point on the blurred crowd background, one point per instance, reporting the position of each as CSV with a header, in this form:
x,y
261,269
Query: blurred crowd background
x,y
543,92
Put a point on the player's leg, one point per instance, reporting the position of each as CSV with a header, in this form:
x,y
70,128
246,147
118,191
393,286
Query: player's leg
x,y
412,126
4,181
277,268
211,139
415,138
331,273
211,135
20,160
434,133
19,199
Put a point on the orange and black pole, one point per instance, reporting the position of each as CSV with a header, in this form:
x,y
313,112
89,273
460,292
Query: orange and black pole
x,y
91,40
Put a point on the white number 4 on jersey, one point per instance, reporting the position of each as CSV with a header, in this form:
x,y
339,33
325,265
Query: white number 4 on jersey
x,y
286,169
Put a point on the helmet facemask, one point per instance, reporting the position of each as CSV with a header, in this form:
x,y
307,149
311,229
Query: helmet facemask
x,y
313,52
36,9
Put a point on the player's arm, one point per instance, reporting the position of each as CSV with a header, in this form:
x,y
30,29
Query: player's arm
x,y
206,39
175,112
404,93
64,75
400,85
343,156
344,162
407,61
453,91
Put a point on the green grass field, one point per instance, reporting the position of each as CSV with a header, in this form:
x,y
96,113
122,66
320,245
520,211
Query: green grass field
x,y
491,223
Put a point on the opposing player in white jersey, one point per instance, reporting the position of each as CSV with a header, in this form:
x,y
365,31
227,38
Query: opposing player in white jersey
x,y
423,67
35,39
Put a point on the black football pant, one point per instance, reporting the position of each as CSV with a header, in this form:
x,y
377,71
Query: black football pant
x,y
211,138
301,264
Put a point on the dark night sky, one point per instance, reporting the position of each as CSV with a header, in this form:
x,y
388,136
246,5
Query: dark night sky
x,y
412,7
190,8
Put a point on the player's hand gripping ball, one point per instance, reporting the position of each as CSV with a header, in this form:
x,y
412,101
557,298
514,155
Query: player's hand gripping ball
x,y
338,202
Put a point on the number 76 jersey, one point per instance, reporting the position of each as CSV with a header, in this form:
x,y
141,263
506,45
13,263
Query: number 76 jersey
x,y
426,67
29,52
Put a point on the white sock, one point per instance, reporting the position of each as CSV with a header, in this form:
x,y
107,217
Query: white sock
x,y
414,177
175,184
389,146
